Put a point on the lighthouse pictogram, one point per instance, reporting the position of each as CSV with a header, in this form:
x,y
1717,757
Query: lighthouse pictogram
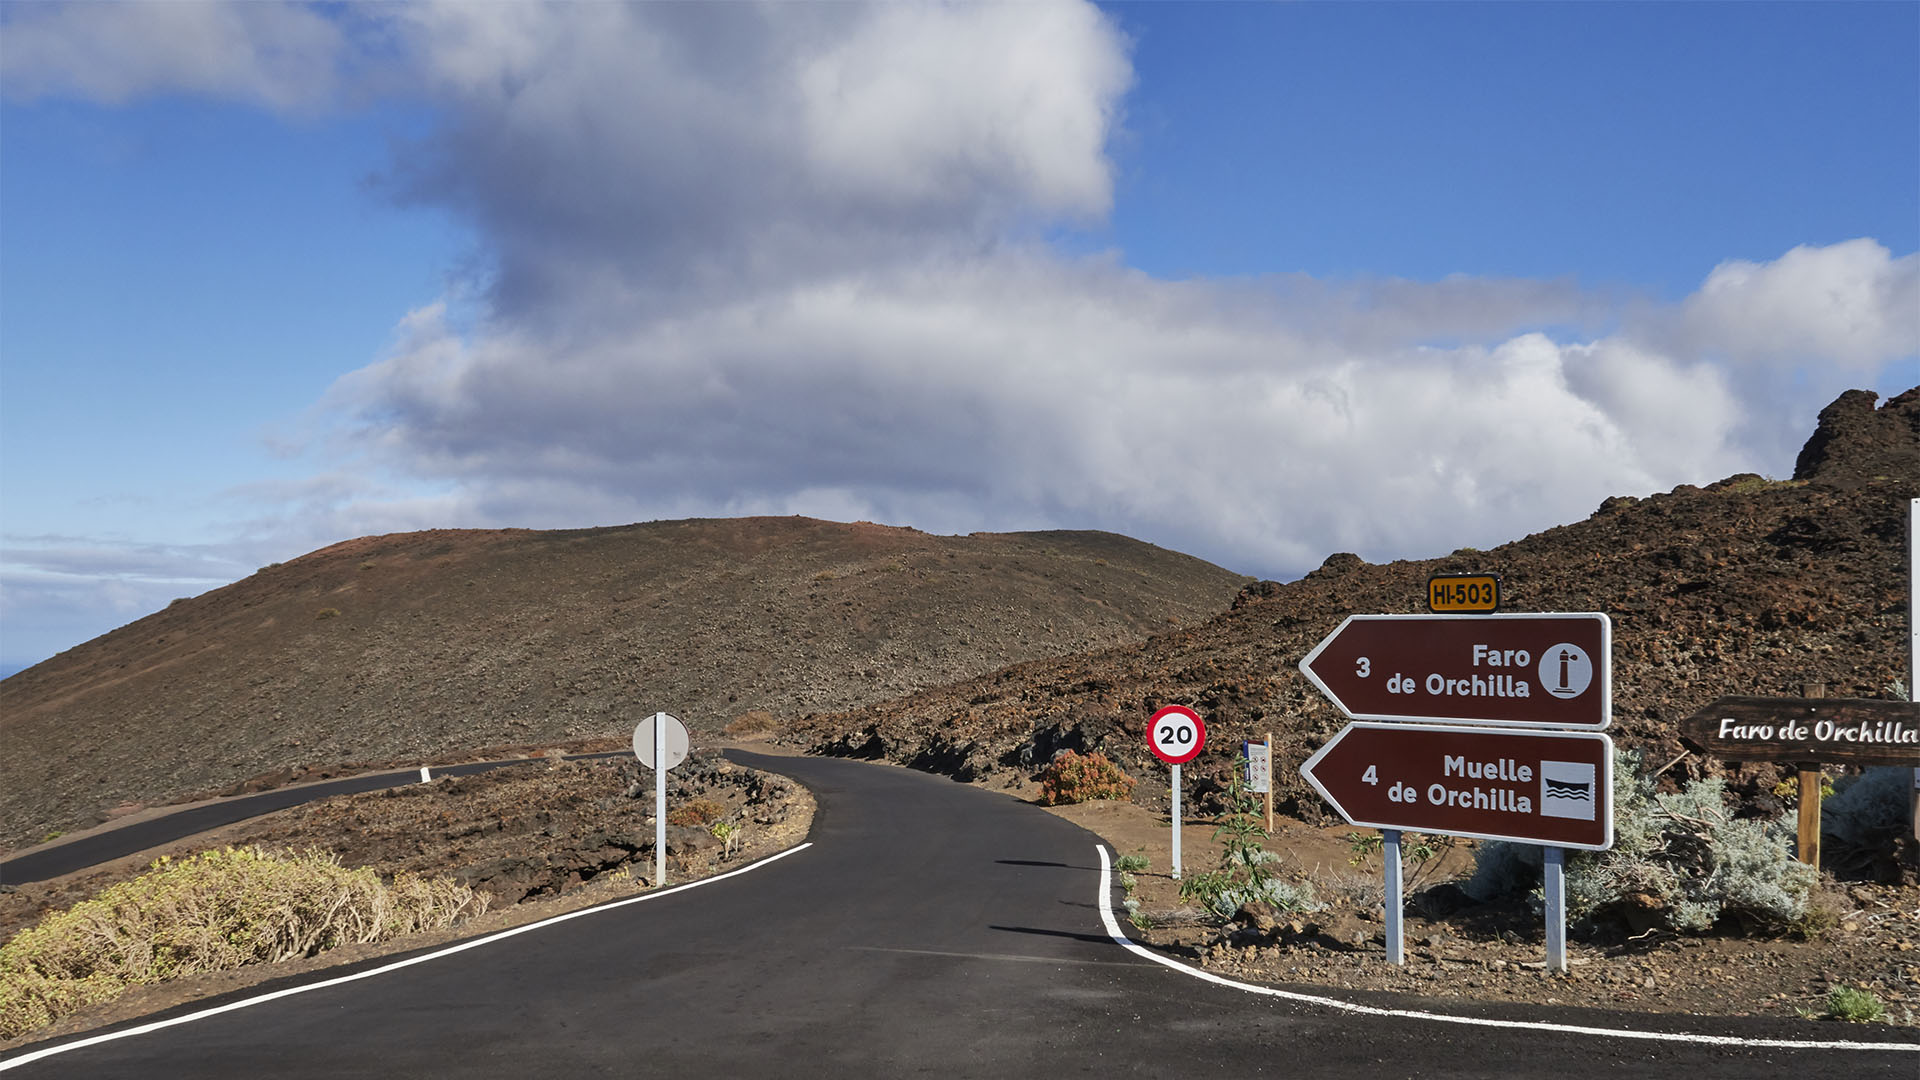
x,y
1565,671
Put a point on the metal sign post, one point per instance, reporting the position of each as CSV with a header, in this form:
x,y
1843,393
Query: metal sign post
x,y
1176,823
659,800
660,742
1176,735
1554,883
1493,730
1395,901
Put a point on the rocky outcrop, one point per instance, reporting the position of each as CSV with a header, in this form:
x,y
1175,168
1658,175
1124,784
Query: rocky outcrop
x,y
1856,442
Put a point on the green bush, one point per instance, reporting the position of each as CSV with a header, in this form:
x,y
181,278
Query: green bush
x,y
1854,1006
1130,864
1076,778
1679,860
215,911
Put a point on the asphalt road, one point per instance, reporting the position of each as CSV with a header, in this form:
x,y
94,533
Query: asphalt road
x,y
42,863
931,929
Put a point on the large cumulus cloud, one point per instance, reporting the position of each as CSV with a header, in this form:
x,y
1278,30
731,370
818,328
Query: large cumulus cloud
x,y
792,258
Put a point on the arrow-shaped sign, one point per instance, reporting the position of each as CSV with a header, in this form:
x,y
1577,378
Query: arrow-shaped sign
x,y
1552,788
1537,670
1850,731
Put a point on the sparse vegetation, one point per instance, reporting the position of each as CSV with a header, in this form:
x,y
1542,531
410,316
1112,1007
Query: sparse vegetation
x,y
1418,852
1078,778
1131,864
1245,873
215,911
1854,1006
700,811
327,613
1679,861
1863,821
751,722
1788,789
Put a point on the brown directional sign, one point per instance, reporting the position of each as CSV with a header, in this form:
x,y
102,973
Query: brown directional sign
x,y
1839,731
1537,670
1534,787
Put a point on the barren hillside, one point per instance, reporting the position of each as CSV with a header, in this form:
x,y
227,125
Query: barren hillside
x,y
1747,586
418,644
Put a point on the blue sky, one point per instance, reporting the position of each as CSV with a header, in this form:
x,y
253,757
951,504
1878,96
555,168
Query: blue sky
x,y
273,276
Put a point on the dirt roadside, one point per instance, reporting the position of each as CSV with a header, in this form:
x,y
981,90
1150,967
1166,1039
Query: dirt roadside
x,y
591,829
1492,953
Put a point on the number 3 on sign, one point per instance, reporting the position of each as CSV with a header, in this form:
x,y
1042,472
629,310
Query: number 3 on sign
x,y
1363,667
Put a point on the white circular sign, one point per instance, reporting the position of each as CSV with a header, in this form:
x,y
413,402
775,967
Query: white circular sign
x,y
676,740
1176,734
1565,671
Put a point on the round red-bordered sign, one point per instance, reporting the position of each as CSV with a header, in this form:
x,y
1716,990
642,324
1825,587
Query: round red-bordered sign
x,y
1176,734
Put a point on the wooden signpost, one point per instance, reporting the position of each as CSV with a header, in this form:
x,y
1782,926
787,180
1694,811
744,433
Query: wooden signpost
x,y
1260,773
1807,732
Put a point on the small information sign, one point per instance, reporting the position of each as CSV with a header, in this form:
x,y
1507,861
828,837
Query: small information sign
x,y
1458,594
1259,768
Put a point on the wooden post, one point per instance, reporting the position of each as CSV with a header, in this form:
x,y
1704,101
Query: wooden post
x,y
1269,783
1809,817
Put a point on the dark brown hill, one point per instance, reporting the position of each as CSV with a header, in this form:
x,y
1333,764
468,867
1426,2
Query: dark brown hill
x,y
418,644
1748,586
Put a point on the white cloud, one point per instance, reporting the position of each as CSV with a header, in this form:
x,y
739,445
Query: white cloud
x,y
58,590
280,55
646,154
1035,391
767,259
1849,306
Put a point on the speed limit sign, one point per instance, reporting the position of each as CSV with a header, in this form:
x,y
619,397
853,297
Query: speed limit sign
x,y
1176,734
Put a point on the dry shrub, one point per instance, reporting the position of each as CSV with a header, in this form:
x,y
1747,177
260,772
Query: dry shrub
x,y
696,812
214,911
1076,778
751,722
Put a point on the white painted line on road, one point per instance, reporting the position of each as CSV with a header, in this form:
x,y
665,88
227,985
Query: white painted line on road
x,y
409,962
425,776
1121,939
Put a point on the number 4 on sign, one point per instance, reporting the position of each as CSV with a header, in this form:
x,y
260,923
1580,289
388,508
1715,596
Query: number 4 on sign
x,y
1371,776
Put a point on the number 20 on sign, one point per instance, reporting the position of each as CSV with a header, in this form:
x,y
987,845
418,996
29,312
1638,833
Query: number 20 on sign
x,y
1176,735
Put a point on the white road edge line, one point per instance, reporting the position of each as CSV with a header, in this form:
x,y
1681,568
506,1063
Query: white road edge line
x,y
1121,939
409,962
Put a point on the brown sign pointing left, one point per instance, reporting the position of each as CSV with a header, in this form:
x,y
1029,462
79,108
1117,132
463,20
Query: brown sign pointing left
x,y
1532,787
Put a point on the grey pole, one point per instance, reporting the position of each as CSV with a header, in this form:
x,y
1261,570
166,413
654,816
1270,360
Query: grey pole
x,y
1556,889
1176,823
660,799
1396,927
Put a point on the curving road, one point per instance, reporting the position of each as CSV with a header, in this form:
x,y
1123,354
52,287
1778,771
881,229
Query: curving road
x,y
930,929
41,863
